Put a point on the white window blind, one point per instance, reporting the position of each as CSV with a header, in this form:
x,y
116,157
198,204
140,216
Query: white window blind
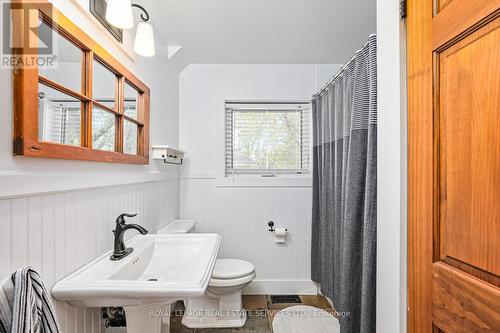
x,y
267,138
61,122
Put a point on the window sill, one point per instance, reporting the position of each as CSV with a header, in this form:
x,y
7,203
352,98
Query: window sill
x,y
258,181
285,180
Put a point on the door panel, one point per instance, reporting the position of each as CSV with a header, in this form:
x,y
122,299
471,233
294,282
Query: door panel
x,y
453,165
463,303
469,77
442,4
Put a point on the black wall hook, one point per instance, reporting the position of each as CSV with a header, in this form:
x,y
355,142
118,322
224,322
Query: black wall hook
x,y
271,226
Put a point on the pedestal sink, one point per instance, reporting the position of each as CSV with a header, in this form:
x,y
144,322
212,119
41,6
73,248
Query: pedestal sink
x,y
161,270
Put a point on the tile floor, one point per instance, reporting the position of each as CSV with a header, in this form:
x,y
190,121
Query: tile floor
x,y
260,313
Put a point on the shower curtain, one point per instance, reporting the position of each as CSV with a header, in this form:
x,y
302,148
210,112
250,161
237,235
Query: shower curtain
x,y
345,190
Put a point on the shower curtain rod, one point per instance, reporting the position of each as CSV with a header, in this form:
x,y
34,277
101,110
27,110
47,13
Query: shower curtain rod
x,y
343,67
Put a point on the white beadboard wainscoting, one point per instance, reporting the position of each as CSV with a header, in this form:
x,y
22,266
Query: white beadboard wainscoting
x,y
240,215
57,233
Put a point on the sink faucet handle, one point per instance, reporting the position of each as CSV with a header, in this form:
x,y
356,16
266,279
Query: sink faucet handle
x,y
121,219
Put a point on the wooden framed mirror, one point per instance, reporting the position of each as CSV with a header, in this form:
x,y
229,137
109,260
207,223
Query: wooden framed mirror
x,y
88,107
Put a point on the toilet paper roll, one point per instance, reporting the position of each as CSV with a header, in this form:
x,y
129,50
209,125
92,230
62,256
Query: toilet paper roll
x,y
280,235
280,232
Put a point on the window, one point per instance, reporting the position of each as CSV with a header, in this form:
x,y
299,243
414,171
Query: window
x,y
267,138
90,107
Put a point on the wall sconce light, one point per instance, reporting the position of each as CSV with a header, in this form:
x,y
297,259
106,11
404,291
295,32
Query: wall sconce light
x,y
119,14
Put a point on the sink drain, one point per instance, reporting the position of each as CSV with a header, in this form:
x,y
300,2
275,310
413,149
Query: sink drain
x,y
153,279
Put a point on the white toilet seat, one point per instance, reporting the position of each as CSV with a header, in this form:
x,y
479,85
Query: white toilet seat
x,y
228,269
231,282
231,272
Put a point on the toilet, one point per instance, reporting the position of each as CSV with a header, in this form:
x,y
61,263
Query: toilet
x,y
178,227
221,306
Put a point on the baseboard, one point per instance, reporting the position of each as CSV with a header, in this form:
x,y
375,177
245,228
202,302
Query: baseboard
x,y
279,287
329,301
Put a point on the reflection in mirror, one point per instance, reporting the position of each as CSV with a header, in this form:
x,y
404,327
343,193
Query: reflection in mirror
x,y
69,62
59,117
129,137
103,129
131,101
103,85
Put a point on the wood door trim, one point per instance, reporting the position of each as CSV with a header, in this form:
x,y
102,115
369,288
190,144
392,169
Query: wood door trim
x,y
421,164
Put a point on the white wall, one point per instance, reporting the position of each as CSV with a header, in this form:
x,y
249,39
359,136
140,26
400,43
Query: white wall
x,y
240,210
391,178
240,215
204,89
57,215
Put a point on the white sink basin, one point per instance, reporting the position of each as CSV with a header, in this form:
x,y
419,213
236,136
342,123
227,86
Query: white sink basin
x,y
161,270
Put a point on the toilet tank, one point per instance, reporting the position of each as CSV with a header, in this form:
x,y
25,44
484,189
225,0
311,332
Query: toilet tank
x,y
178,227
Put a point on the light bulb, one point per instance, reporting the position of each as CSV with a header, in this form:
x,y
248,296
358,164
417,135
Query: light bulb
x,y
144,44
119,13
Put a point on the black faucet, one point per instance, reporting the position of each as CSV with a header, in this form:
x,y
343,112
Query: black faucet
x,y
120,251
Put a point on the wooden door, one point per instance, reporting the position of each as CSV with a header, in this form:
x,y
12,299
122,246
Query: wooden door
x,y
454,165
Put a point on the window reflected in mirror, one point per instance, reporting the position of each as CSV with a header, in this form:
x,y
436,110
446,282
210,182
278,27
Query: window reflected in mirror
x,y
129,137
103,85
103,129
59,117
131,97
69,62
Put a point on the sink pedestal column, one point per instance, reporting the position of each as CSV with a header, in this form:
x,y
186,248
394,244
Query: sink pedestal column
x,y
148,318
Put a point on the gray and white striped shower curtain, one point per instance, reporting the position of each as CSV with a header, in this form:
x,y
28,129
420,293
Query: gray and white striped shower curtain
x,y
345,190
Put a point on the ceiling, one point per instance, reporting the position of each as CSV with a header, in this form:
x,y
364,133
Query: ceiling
x,y
264,31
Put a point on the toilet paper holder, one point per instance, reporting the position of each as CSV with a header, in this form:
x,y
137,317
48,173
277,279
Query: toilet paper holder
x,y
271,226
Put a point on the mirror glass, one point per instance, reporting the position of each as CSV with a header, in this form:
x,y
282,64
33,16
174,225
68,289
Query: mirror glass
x,y
103,129
69,62
129,137
131,96
59,116
103,85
